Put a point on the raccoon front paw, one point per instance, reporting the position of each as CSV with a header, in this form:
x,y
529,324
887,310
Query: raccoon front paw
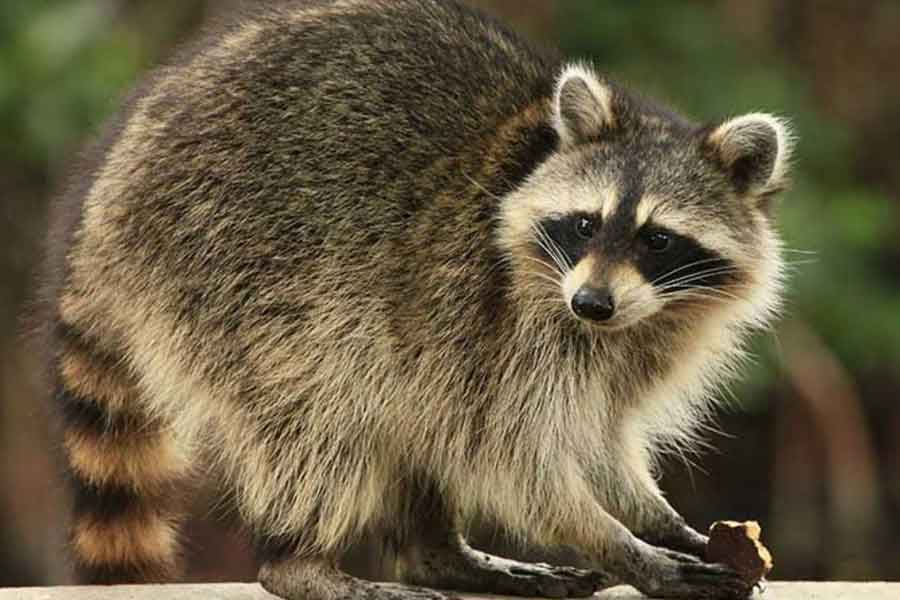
x,y
664,573
503,576
460,567
398,591
318,579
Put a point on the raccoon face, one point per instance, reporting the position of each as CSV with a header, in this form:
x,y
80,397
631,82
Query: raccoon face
x,y
641,212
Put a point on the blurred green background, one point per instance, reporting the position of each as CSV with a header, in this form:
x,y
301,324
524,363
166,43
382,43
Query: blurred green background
x,y
812,452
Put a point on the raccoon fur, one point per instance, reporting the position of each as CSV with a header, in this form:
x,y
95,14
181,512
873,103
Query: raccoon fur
x,y
394,268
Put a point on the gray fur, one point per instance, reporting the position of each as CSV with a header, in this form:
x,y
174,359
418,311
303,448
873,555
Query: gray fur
x,y
312,245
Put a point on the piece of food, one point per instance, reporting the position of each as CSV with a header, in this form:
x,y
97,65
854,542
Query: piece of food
x,y
737,545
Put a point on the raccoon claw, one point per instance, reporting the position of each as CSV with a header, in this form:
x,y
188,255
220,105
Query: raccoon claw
x,y
398,591
541,579
669,574
484,573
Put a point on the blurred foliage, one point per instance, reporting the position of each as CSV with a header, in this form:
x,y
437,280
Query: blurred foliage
x,y
58,78
64,65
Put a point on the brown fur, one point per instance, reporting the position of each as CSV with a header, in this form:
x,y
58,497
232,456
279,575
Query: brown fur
x,y
140,461
143,544
91,375
313,251
123,464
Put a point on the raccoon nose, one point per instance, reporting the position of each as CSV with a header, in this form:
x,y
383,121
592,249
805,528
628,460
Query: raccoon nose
x,y
594,304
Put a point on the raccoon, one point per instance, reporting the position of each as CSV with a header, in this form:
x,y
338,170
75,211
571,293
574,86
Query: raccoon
x,y
389,268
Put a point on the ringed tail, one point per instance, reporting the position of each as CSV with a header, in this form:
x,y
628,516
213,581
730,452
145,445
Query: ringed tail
x,y
123,466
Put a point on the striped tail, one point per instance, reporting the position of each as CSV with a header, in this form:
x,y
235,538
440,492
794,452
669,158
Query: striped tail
x,y
124,468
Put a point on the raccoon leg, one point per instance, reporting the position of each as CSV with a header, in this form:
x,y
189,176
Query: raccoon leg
x,y
297,578
670,530
446,561
649,515
122,468
436,555
657,572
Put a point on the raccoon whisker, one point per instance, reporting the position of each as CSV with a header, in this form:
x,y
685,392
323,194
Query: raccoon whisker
x,y
700,299
703,295
559,256
678,290
797,263
551,248
552,268
686,266
723,291
543,246
699,277
716,270
724,270
683,267
703,272
799,251
708,289
688,279
697,283
554,245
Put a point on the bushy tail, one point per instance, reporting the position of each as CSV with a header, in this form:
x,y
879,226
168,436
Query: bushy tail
x,y
123,467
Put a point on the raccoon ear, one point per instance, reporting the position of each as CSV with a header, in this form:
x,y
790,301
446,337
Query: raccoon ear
x,y
755,150
582,105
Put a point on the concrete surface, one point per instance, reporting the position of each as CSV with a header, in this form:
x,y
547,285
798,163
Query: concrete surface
x,y
778,590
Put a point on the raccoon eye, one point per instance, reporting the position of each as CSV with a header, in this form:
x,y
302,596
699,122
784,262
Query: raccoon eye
x,y
584,227
658,242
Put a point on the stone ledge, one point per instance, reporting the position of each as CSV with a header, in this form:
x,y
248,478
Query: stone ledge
x,y
778,590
